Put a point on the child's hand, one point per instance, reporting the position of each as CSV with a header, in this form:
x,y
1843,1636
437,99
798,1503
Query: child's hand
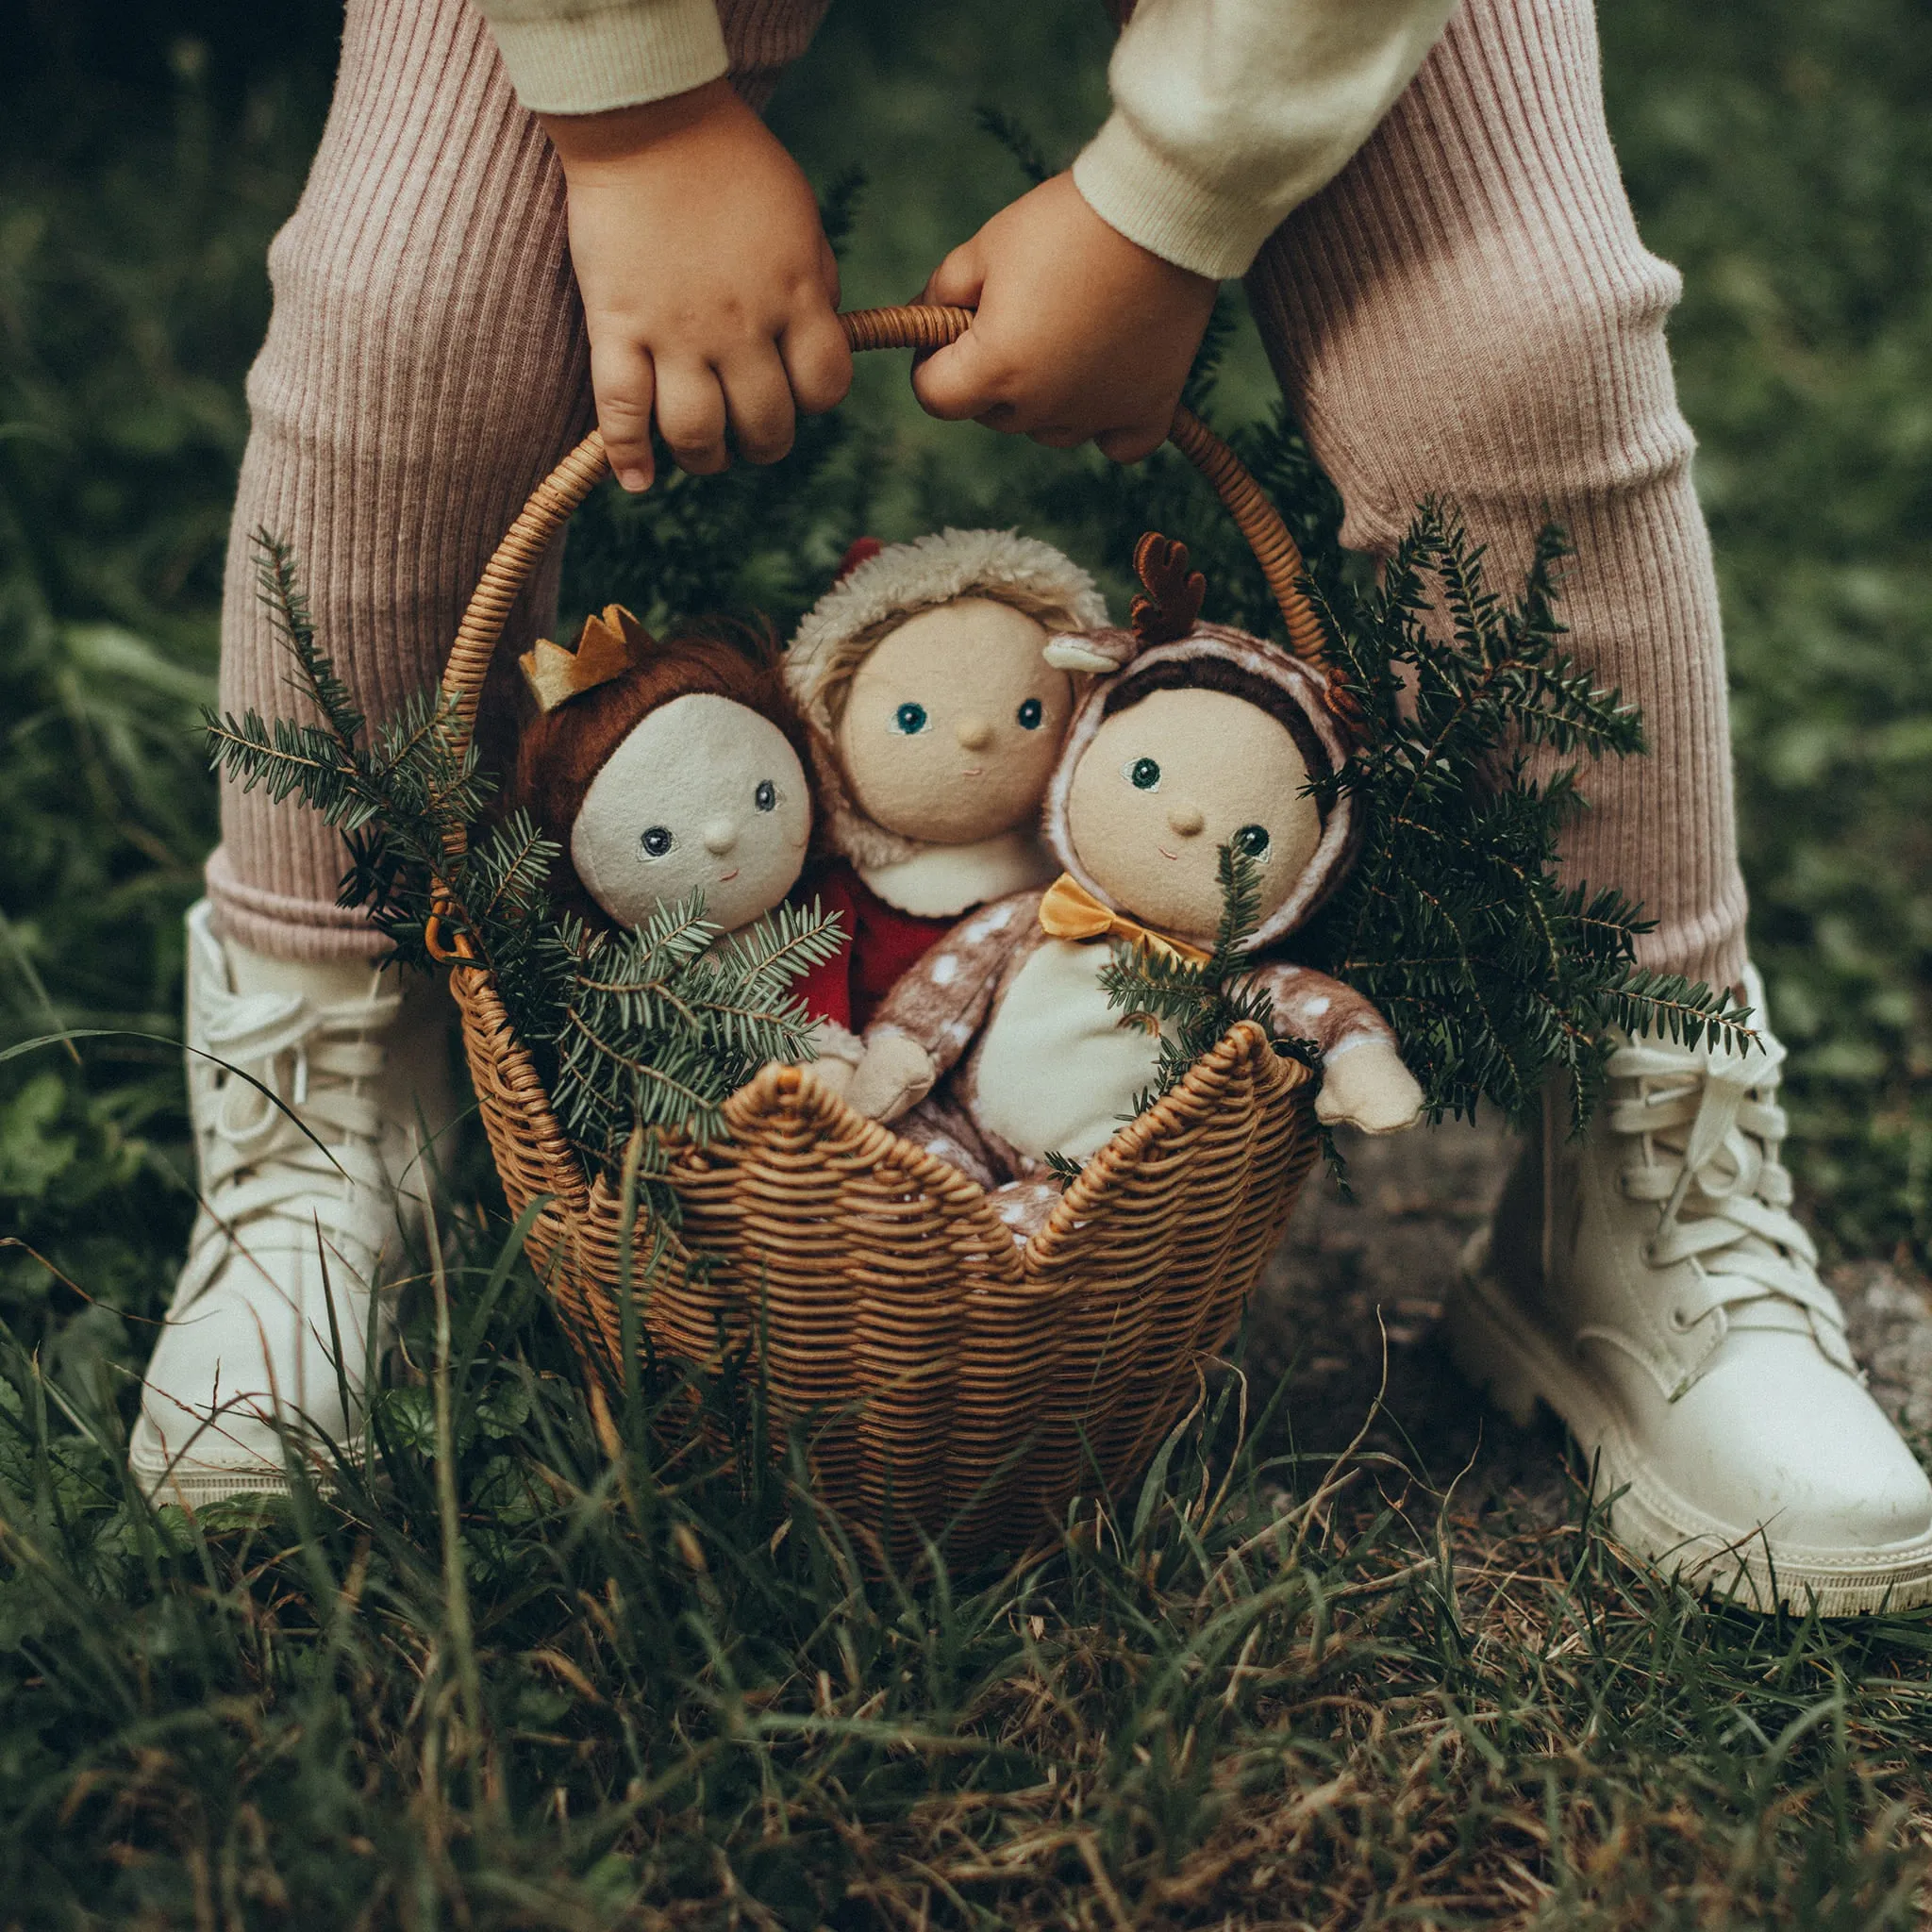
x,y
710,294
1080,332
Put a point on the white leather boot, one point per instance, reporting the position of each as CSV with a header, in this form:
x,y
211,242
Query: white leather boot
x,y
1648,1283
306,1210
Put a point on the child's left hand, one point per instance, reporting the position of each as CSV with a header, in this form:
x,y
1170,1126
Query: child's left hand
x,y
1080,332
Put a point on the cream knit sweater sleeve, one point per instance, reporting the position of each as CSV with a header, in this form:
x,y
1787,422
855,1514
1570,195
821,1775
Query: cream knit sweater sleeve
x,y
581,57
1228,114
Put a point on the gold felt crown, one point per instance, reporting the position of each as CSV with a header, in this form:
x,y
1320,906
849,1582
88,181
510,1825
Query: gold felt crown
x,y
607,646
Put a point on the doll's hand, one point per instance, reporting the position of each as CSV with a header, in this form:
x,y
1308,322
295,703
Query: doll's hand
x,y
1367,1086
834,1075
1080,332
837,1051
895,1073
710,294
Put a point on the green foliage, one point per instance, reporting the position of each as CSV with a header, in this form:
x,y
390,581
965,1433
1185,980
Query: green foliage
x,y
1189,1008
647,1031
661,1025
1452,920
1193,1006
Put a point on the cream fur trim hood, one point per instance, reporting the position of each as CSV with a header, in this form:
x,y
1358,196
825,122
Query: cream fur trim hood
x,y
838,632
1303,687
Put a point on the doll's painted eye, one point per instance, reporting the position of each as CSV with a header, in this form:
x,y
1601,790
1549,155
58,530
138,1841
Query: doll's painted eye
x,y
766,796
909,719
657,841
1253,839
1144,774
1031,712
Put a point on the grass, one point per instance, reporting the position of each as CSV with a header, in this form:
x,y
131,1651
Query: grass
x,y
551,1678
546,1679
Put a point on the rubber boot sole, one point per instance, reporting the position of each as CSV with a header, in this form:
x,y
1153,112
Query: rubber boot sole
x,y
1505,1352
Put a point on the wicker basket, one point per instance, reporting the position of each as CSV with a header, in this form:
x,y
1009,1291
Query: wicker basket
x,y
952,1382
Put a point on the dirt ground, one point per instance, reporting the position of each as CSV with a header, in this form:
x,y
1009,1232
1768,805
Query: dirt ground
x,y
1393,1252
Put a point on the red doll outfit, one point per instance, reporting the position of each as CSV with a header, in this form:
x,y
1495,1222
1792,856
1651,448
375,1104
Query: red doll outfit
x,y
880,944
898,894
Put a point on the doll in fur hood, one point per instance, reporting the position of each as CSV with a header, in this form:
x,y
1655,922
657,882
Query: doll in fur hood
x,y
664,768
934,719
1196,737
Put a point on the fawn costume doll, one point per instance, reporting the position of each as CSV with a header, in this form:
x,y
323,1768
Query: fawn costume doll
x,y
661,769
934,720
1201,736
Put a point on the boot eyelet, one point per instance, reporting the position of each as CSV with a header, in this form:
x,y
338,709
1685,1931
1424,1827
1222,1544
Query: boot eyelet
x,y
1680,1318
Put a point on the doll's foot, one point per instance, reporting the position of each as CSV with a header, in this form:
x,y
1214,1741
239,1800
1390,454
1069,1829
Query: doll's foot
x,y
1648,1283
311,1172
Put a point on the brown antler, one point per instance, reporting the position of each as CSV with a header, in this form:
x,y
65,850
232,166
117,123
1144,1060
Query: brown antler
x,y
1174,592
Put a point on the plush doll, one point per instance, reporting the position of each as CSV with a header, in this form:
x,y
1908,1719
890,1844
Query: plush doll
x,y
934,722
1199,736
666,767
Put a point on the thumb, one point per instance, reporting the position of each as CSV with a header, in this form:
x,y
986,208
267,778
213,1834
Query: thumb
x,y
959,382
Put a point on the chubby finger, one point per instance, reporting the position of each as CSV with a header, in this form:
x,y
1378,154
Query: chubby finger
x,y
757,404
624,382
692,416
958,279
817,362
1130,445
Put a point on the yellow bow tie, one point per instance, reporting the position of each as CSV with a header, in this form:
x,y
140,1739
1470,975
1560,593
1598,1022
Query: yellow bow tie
x,y
1070,911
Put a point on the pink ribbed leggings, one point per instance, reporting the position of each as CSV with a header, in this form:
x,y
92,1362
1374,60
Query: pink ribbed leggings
x,y
1467,310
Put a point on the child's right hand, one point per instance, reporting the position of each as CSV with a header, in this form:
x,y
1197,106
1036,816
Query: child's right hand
x,y
711,293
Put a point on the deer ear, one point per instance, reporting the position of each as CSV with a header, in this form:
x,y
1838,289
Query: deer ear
x,y
1100,653
1174,594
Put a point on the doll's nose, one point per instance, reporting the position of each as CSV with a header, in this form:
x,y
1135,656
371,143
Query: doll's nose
x,y
976,734
720,835
1185,819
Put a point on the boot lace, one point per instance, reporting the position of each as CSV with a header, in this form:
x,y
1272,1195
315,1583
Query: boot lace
x,y
1703,1128
293,1073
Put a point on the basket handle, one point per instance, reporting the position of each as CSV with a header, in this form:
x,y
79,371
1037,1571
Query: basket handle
x,y
556,499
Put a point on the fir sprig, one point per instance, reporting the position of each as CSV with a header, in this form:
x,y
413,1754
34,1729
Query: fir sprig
x,y
662,1024
1192,1006
1452,919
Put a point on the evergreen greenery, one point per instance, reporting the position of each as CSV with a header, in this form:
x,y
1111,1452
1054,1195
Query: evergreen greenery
x,y
1452,918
1193,1006
1190,1007
650,1031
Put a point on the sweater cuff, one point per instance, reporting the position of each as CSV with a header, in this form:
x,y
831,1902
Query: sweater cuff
x,y
1133,187
594,59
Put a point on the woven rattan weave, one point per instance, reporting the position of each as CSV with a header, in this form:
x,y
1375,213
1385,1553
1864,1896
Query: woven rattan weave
x,y
950,1382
